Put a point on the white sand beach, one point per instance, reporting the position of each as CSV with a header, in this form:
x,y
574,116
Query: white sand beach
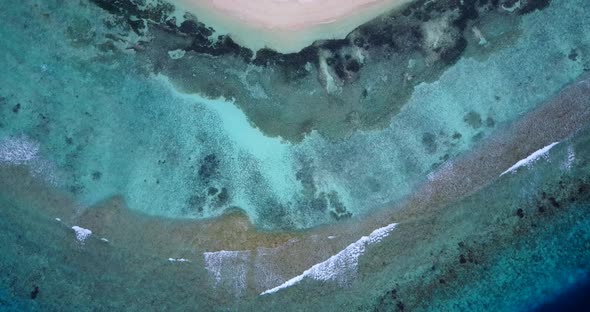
x,y
286,25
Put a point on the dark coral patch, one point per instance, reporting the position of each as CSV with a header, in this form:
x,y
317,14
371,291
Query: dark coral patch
x,y
473,119
35,292
429,143
209,166
533,5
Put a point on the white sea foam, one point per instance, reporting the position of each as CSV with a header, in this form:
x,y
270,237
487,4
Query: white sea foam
x,y
178,260
338,267
267,266
81,233
18,150
530,159
228,268
571,157
21,150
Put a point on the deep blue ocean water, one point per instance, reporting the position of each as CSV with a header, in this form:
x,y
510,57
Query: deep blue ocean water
x,y
573,298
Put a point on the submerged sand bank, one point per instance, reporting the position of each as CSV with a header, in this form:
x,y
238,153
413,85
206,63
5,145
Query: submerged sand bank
x,y
286,25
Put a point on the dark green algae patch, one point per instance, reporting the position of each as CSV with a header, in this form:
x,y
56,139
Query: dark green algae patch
x,y
332,86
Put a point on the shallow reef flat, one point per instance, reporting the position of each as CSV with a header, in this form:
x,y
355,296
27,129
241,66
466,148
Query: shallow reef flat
x,y
435,158
452,246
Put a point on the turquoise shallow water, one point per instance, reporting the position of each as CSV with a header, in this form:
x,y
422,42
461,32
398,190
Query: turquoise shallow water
x,y
84,119
105,126
525,246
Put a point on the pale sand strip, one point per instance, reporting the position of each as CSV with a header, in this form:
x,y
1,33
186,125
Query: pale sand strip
x,y
286,25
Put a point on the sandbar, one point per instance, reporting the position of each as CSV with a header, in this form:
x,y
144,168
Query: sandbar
x,y
286,25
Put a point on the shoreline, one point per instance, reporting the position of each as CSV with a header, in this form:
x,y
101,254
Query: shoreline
x,y
286,26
